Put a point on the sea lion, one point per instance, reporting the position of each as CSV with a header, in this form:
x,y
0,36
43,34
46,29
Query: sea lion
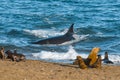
x,y
91,59
86,61
9,54
106,59
2,54
93,56
21,57
97,64
15,56
81,63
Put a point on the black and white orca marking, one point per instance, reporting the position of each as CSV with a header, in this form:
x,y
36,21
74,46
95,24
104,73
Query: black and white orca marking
x,y
58,39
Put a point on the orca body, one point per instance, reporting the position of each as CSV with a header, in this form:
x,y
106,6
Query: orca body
x,y
58,39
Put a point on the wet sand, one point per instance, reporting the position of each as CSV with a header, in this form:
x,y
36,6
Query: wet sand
x,y
41,70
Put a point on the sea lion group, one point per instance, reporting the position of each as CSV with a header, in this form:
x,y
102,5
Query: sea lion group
x,y
92,61
14,56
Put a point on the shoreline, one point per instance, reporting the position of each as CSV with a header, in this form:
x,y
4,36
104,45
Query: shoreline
x,y
43,70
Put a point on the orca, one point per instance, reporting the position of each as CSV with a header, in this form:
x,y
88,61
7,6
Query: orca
x,y
58,39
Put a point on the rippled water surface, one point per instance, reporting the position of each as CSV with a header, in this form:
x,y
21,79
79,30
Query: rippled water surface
x,y
97,24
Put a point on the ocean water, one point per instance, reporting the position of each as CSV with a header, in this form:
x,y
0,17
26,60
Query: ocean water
x,y
97,24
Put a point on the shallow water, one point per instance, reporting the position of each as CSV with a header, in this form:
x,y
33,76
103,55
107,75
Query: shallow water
x,y
97,24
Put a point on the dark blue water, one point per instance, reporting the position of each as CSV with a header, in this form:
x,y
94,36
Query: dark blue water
x,y
97,23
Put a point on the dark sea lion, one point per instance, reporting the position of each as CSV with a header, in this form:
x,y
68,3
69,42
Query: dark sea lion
x,y
106,59
15,56
9,54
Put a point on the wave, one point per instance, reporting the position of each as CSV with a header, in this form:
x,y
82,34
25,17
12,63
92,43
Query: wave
x,y
70,55
114,58
43,33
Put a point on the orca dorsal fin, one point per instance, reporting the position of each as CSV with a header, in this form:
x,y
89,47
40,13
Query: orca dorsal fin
x,y
70,29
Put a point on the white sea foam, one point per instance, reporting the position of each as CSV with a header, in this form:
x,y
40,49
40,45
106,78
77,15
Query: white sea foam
x,y
71,54
44,33
113,57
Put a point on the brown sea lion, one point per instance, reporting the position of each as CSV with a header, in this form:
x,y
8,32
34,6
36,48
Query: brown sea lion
x,y
86,61
2,54
98,63
93,56
81,63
